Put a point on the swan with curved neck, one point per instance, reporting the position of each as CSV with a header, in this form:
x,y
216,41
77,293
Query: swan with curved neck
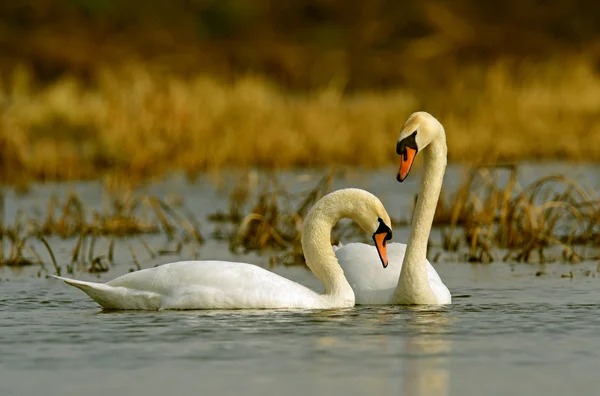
x,y
231,285
410,278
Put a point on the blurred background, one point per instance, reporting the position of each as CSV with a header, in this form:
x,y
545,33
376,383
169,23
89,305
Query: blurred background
x,y
89,87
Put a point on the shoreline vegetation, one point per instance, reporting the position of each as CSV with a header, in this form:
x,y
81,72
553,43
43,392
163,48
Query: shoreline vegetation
x,y
490,217
129,91
140,124
94,88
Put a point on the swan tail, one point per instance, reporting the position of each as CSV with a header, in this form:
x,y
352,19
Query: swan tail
x,y
110,297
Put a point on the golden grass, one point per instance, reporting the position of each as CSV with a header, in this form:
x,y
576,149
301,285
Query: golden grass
x,y
127,216
140,123
273,221
488,216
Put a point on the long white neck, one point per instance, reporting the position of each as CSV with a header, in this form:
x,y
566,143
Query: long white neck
x,y
413,285
316,239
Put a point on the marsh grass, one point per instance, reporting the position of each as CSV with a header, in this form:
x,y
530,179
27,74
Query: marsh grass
x,y
19,243
265,217
490,217
141,123
275,217
126,218
491,212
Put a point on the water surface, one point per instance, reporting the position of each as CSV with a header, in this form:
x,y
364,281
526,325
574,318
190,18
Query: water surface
x,y
514,334
508,331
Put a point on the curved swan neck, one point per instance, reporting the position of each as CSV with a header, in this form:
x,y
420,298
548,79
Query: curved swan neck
x,y
316,239
413,285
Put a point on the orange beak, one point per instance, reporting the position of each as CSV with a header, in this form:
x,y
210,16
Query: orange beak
x,y
406,161
380,242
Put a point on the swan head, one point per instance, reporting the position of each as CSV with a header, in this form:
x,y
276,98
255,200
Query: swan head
x,y
364,208
382,234
372,217
420,129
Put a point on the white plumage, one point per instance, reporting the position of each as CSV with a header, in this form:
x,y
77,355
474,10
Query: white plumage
x,y
200,284
410,278
375,285
229,285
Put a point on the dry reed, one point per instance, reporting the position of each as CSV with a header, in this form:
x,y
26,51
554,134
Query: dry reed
x,y
141,123
124,218
490,217
18,240
490,214
273,221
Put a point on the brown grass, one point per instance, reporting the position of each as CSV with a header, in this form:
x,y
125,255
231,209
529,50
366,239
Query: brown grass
x,y
274,219
271,220
140,123
300,44
124,217
488,215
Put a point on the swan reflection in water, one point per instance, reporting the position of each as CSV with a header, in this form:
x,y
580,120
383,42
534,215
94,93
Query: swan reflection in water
x,y
383,350
427,350
390,351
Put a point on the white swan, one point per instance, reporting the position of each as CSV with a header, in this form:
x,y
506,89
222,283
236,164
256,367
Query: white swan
x,y
230,285
410,278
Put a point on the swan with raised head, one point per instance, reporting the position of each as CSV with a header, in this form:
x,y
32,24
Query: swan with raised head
x,y
231,285
410,277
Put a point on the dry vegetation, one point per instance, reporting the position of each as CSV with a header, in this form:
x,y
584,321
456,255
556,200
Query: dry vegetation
x,y
490,217
119,89
141,124
491,214
93,87
125,218
299,45
273,221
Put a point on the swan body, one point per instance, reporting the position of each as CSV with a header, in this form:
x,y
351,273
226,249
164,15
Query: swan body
x,y
232,285
410,278
373,286
201,284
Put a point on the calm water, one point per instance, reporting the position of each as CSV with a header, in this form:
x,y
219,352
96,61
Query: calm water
x,y
508,331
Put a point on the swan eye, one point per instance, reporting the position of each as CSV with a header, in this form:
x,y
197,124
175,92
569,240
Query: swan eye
x,y
408,142
388,236
384,229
